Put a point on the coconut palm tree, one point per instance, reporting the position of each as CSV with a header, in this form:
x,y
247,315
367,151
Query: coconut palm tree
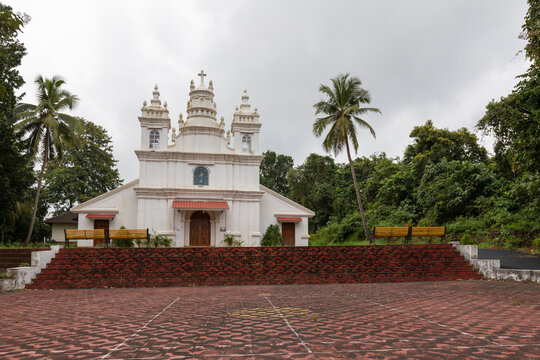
x,y
44,129
341,109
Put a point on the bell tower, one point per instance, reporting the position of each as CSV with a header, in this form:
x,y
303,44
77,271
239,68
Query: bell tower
x,y
245,128
155,124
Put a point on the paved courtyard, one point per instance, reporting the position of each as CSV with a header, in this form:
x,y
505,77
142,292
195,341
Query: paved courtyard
x,y
460,319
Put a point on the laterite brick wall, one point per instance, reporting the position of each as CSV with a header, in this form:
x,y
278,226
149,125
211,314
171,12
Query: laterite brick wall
x,y
140,267
14,257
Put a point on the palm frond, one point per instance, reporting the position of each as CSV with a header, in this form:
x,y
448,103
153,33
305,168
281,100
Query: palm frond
x,y
364,124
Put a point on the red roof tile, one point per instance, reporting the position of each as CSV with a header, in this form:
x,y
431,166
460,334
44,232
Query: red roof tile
x,y
100,216
200,205
288,219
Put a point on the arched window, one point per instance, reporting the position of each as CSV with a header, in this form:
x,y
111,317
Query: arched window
x,y
200,176
246,143
154,139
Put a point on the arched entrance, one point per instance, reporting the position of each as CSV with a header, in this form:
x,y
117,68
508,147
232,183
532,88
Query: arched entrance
x,y
199,229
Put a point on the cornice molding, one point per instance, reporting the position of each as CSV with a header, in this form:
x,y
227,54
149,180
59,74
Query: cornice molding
x,y
173,193
177,156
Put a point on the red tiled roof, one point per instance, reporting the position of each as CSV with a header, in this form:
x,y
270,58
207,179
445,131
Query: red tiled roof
x,y
100,216
200,205
288,219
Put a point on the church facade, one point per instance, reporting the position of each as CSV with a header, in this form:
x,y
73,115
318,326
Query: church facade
x,y
201,186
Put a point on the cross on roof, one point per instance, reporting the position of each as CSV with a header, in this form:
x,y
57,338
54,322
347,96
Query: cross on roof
x,y
202,75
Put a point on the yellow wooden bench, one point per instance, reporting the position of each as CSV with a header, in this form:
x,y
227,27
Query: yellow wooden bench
x,y
408,232
115,234
89,234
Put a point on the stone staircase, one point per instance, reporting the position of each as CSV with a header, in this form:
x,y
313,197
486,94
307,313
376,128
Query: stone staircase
x,y
142,267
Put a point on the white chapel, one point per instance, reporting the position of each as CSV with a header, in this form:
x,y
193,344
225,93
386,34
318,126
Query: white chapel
x,y
202,185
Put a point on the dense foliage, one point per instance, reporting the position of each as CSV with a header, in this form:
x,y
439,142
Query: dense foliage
x,y
86,170
16,174
462,190
274,169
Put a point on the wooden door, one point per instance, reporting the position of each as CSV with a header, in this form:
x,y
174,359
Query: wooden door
x,y
100,224
199,229
287,232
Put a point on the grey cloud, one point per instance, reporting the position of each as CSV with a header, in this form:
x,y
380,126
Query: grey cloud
x,y
439,60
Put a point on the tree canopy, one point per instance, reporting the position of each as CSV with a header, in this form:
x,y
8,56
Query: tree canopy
x,y
16,174
86,170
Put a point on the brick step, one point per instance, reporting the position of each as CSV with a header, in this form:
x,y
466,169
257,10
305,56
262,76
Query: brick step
x,y
179,274
252,267
188,252
323,258
240,280
255,267
185,253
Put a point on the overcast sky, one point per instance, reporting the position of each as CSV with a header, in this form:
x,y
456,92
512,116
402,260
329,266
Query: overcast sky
x,y
420,60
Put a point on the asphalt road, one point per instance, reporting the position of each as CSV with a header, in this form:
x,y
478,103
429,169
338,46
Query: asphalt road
x,y
511,259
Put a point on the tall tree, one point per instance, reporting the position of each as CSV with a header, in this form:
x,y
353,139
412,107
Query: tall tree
x,y
342,108
312,185
85,171
273,171
16,175
514,120
46,130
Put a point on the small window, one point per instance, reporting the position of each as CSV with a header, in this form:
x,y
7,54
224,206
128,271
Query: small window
x,y
200,176
154,139
246,143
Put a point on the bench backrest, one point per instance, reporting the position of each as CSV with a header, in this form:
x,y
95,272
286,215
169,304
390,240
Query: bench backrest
x,y
429,231
85,234
128,233
391,232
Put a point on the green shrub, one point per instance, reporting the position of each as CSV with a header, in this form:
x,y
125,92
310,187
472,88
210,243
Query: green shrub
x,y
536,243
463,225
157,240
272,236
24,264
514,242
521,224
123,243
231,241
467,239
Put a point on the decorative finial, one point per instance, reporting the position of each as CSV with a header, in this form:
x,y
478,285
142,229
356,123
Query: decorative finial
x,y
192,86
144,103
155,87
211,86
228,137
173,138
165,104
202,75
255,109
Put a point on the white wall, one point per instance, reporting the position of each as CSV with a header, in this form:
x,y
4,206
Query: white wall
x,y
57,231
179,175
122,200
272,205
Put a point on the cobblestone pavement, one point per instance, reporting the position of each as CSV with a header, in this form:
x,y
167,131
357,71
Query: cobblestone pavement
x,y
430,320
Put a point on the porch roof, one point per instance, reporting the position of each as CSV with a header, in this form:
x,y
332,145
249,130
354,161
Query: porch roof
x,y
100,216
200,205
288,219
